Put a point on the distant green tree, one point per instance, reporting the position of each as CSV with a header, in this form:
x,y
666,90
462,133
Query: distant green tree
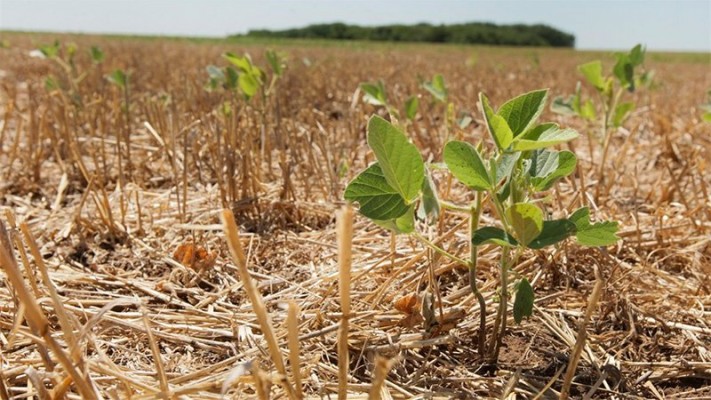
x,y
468,33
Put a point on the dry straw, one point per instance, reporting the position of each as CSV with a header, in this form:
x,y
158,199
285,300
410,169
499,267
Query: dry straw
x,y
345,237
265,322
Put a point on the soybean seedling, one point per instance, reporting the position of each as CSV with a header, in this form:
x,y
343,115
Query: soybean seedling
x,y
242,78
511,179
375,94
608,110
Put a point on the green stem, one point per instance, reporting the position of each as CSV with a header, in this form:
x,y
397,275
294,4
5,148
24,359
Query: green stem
x,y
501,322
474,224
609,110
495,341
455,207
439,250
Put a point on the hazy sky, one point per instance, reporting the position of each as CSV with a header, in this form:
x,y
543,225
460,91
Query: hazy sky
x,y
597,24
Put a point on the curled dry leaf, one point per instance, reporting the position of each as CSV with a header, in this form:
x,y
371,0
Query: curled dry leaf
x,y
195,257
408,304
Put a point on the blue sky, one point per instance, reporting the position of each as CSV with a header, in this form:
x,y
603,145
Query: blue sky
x,y
683,25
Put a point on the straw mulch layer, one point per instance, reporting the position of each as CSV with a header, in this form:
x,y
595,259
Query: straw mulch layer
x,y
118,281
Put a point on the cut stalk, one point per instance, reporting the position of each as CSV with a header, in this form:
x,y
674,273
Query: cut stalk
x,y
345,237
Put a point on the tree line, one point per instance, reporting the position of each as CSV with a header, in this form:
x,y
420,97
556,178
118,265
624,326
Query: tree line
x,y
468,33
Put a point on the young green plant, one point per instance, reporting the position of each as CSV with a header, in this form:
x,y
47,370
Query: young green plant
x,y
609,110
510,179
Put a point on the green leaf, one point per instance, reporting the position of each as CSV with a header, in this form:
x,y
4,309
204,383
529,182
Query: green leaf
x,y
563,105
402,225
505,166
378,200
621,112
118,78
429,205
437,88
549,166
502,130
592,72
411,106
97,56
624,71
244,63
553,232
587,111
231,78
599,234
522,111
498,127
465,163
374,93
493,235
50,50
276,62
636,55
543,163
406,222
523,304
526,220
399,159
544,135
248,84
580,217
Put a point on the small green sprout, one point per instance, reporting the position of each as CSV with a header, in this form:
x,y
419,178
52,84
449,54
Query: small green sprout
x,y
610,110
97,55
250,77
375,94
706,116
118,78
